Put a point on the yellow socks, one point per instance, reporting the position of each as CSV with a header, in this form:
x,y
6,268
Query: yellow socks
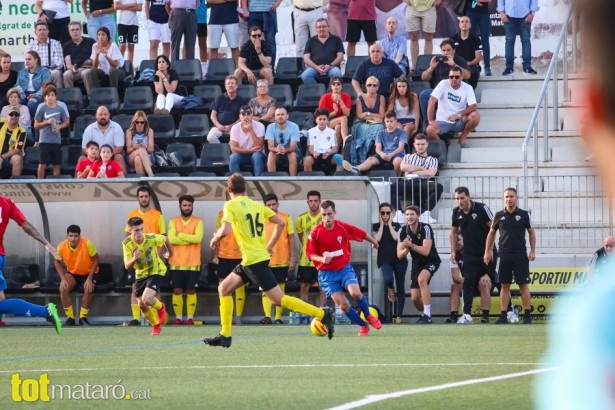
x,y
152,316
190,305
68,311
83,312
293,303
266,306
136,311
178,305
157,305
280,309
240,300
226,315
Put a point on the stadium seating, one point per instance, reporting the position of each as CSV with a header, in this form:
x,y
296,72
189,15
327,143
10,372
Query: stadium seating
x,y
163,127
288,71
422,64
351,66
208,92
31,159
246,91
308,97
215,158
193,128
81,123
138,98
107,96
188,155
218,69
20,275
283,95
124,120
189,72
70,155
73,98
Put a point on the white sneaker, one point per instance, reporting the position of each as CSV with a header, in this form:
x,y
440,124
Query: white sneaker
x,y
399,217
426,218
513,316
465,319
204,66
350,168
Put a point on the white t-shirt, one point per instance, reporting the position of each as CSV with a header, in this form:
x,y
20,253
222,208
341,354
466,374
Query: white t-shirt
x,y
113,53
59,6
451,101
322,141
243,139
128,17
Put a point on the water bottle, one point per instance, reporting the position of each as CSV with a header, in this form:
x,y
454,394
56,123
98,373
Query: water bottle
x,y
291,318
363,278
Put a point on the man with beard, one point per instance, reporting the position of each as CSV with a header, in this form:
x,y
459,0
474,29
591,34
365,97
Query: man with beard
x,y
104,131
185,234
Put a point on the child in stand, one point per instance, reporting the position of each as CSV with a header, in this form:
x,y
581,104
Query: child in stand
x,y
50,119
85,165
106,166
322,144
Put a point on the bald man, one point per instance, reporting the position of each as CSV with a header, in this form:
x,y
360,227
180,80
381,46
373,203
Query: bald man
x,y
600,258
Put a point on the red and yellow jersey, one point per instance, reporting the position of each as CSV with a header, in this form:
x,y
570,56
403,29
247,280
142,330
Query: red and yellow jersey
x,y
227,247
186,238
149,263
281,250
78,260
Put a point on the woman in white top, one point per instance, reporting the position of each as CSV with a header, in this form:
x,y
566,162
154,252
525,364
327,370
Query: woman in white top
x,y
107,63
56,13
405,103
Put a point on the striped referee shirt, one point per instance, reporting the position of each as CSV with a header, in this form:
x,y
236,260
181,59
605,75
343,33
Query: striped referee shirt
x,y
426,162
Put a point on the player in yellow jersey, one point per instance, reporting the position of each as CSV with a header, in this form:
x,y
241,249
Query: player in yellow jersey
x,y
307,274
186,235
81,260
141,253
283,259
246,218
153,222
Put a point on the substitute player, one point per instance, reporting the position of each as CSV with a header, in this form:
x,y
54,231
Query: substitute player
x,y
246,218
141,253
328,246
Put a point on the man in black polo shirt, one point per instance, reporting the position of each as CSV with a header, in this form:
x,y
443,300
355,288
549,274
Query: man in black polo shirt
x,y
512,222
469,47
255,58
323,54
77,53
225,110
599,262
473,220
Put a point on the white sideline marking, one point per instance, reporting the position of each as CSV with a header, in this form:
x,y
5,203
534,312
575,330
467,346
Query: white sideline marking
x,y
381,397
269,366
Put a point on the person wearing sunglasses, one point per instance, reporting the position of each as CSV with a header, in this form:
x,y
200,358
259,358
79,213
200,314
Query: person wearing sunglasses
x,y
338,104
323,54
13,139
456,108
247,143
255,58
140,145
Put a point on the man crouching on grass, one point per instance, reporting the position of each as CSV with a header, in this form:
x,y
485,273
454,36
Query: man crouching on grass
x,y
140,253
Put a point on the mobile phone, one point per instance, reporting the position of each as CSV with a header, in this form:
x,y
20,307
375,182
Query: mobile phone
x,y
441,59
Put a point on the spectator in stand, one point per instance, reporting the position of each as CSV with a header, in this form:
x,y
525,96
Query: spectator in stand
x,y
371,107
338,105
140,145
128,26
456,108
13,138
106,166
56,13
361,18
283,138
395,46
517,16
157,27
30,81
247,143
225,111
322,144
242,14
182,23
421,15
24,114
469,46
201,34
99,14
85,165
385,70
223,19
263,105
305,17
49,51
390,148
77,53
107,62
49,120
166,81
263,13
480,22
599,262
255,59
323,54
8,78
104,131
438,70
405,103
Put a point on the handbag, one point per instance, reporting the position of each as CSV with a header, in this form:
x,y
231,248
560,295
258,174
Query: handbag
x,y
460,7
50,15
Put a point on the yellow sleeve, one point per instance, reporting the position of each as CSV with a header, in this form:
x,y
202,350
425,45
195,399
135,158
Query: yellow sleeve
x,y
91,249
197,237
290,229
161,227
299,225
173,237
128,250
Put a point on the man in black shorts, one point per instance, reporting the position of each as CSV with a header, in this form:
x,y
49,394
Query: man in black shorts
x,y
418,240
361,18
512,222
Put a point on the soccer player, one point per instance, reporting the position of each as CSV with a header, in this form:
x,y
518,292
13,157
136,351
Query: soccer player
x,y
186,235
153,222
19,307
140,252
418,240
81,260
512,222
307,274
283,259
246,218
328,246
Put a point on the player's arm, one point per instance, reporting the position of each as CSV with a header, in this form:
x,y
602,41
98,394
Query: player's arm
x,y
89,282
453,240
130,256
532,234
278,229
291,242
403,248
167,244
35,234
488,257
378,234
225,229
423,249
172,234
372,240
196,237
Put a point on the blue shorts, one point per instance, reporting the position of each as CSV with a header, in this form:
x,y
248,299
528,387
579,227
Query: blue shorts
x,y
446,127
333,281
2,280
381,161
406,120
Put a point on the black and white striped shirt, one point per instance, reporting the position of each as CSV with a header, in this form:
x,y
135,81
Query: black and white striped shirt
x,y
426,162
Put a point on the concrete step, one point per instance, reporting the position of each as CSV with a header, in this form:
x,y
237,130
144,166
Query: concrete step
x,y
498,151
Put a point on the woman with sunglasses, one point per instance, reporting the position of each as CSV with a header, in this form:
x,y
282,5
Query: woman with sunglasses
x,y
8,78
107,63
30,81
405,103
338,103
140,145
165,83
370,108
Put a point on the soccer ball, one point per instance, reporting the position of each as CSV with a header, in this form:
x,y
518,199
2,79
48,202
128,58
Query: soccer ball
x,y
318,328
372,311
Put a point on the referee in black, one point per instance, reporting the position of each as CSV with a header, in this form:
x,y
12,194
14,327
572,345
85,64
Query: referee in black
x,y
472,220
512,222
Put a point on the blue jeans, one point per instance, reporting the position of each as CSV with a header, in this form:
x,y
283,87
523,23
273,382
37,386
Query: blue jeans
x,y
268,21
510,29
482,23
424,102
396,271
104,20
309,75
257,159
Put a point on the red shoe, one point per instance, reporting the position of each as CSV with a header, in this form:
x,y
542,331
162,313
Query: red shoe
x,y
2,324
162,315
156,330
190,322
364,330
178,322
374,321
